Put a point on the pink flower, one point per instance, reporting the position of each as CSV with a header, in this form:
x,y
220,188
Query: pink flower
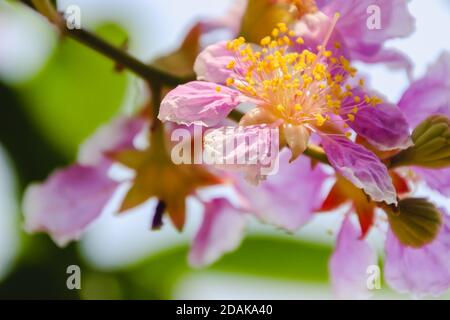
x,y
308,93
74,197
419,271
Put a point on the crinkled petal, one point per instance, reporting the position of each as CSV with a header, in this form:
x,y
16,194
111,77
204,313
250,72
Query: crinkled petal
x,y
349,263
201,103
250,149
430,94
384,125
211,63
67,202
114,136
422,271
221,231
436,179
361,167
288,198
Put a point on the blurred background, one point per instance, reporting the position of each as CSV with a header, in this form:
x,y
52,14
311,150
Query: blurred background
x,y
54,94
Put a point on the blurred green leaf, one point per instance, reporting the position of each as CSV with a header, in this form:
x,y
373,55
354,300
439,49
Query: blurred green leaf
x,y
77,90
270,257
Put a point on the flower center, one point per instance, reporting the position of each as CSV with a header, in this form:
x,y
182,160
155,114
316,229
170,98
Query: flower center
x,y
298,87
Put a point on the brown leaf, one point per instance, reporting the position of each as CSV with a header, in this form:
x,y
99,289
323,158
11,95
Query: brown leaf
x,y
181,61
157,176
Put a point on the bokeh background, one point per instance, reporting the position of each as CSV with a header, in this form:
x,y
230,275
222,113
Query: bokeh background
x,y
54,94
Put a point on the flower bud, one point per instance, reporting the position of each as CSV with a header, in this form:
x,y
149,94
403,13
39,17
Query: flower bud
x,y
431,147
415,222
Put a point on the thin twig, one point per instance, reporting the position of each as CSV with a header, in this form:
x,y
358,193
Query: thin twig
x,y
122,58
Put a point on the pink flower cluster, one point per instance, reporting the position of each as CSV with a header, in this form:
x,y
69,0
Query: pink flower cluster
x,y
300,79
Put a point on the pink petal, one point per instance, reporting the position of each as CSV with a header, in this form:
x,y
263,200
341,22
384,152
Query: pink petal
x,y
231,21
313,28
349,262
436,179
221,231
199,103
423,271
114,136
396,21
361,167
67,202
211,63
287,199
392,58
250,149
384,125
430,94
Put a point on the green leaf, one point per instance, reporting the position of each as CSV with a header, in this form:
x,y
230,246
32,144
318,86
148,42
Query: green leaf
x,y
76,91
269,257
416,223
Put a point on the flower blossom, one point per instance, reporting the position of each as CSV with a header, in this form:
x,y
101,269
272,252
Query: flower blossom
x,y
306,93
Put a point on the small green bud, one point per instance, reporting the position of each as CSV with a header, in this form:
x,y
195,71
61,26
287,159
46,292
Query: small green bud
x,y
431,147
415,222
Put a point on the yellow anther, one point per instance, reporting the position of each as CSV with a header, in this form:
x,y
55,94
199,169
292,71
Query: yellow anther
x,y
273,44
275,32
298,107
348,134
280,108
265,41
351,117
230,81
320,120
361,82
375,101
231,64
218,89
338,78
357,99
300,40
